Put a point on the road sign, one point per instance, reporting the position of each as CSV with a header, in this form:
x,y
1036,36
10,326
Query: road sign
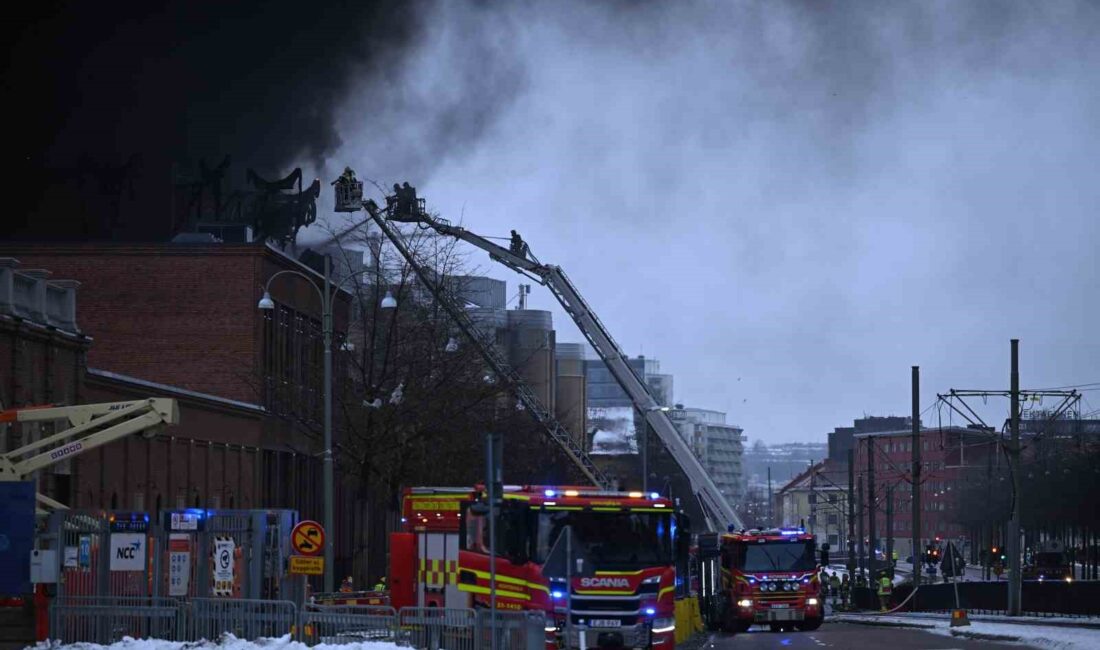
x,y
308,538
179,564
306,565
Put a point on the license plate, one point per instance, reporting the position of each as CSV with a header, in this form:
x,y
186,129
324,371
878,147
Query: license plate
x,y
780,606
605,622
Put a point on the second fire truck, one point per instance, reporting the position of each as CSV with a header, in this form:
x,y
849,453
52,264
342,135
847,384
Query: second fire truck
x,y
766,577
442,560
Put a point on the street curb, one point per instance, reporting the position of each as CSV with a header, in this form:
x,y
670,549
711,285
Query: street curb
x,y
981,636
979,618
863,621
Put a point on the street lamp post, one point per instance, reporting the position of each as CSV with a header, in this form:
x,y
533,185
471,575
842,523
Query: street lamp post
x,y
329,475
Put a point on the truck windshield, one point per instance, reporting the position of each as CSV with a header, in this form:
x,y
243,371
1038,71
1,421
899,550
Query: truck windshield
x,y
612,540
775,556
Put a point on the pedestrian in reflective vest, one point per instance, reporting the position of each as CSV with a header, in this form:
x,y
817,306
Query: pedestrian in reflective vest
x,y
885,588
834,587
845,591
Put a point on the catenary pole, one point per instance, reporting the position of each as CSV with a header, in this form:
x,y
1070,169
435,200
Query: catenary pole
x,y
851,512
916,532
1014,578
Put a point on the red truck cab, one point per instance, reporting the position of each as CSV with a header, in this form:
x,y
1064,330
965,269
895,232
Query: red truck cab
x,y
625,600
770,577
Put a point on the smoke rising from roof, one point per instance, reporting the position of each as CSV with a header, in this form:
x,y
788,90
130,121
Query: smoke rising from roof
x,y
809,195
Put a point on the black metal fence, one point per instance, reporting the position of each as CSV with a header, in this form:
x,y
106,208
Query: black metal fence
x,y
1080,598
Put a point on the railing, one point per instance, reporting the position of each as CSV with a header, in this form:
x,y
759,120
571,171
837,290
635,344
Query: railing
x,y
209,618
339,624
107,619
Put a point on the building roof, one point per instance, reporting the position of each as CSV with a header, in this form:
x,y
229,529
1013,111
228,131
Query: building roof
x,y
832,474
909,432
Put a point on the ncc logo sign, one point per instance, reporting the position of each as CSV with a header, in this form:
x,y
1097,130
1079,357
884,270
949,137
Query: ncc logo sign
x,y
127,551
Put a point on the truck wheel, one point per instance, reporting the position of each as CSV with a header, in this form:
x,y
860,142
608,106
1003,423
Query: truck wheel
x,y
811,624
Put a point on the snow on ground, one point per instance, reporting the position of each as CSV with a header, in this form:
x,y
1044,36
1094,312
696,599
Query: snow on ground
x,y
227,642
1055,637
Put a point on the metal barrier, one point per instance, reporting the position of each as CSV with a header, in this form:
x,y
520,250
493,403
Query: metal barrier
x,y
209,618
514,630
338,624
226,553
100,552
106,619
437,628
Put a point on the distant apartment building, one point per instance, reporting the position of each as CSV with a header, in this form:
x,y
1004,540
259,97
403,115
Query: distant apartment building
x,y
718,445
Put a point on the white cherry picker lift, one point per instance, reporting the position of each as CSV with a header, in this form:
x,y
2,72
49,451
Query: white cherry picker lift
x,y
89,426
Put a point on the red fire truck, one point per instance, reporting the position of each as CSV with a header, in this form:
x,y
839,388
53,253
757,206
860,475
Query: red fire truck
x,y
441,559
769,577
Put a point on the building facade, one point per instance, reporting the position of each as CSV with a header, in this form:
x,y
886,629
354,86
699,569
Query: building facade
x,y
817,500
604,390
718,445
946,455
181,320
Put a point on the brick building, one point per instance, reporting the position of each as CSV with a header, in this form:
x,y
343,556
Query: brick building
x,y
946,454
180,320
41,354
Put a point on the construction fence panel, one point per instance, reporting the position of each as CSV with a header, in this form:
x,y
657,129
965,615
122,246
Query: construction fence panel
x,y
107,619
102,552
437,628
339,624
514,630
210,618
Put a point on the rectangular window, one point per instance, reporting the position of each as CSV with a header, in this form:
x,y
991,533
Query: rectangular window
x,y
833,520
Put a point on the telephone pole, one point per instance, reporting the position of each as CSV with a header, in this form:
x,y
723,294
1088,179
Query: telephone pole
x,y
890,528
851,512
1014,578
872,550
916,477
859,522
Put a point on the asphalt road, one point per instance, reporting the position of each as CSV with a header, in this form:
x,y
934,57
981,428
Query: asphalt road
x,y
846,636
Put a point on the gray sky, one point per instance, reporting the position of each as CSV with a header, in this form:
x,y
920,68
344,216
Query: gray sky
x,y
787,203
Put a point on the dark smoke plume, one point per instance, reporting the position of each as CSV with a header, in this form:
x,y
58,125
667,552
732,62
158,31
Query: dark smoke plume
x,y
108,101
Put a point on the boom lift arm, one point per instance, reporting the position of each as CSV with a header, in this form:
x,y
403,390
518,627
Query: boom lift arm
x,y
89,426
714,504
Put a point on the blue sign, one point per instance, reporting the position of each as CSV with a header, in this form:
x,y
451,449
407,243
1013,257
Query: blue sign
x,y
85,554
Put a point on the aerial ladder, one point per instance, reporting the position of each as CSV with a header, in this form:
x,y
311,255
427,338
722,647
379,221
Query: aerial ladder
x,y
519,258
492,356
89,426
